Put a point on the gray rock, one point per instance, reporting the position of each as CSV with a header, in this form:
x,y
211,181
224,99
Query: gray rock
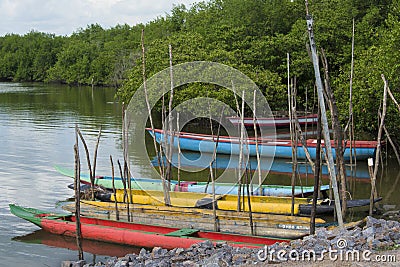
x,y
79,263
206,244
189,263
66,263
121,263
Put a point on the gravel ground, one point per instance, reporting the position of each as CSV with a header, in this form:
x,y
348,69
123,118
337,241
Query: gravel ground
x,y
366,246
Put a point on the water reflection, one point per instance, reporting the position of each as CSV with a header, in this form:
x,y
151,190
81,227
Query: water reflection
x,y
88,246
37,132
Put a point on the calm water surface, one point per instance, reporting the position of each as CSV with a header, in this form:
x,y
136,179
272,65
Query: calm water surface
x,y
37,132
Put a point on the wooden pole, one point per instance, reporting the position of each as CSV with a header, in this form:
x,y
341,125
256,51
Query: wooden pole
x,y
294,143
216,228
128,183
125,191
179,152
351,116
127,171
88,161
371,174
95,159
292,139
167,200
216,220
114,191
240,153
214,157
337,133
324,121
391,141
316,175
257,151
77,195
303,142
378,146
249,201
168,172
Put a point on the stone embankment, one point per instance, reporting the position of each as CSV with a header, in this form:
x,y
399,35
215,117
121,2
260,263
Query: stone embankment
x,y
335,244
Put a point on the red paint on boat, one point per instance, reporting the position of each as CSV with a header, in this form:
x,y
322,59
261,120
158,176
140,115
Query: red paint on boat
x,y
145,235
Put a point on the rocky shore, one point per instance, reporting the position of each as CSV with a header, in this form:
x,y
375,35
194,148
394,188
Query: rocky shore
x,y
357,244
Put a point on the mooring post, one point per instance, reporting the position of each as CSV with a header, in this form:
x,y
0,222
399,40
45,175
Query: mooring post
x,y
324,120
77,196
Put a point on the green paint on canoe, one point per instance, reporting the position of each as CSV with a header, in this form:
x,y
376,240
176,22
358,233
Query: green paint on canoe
x,y
106,181
33,215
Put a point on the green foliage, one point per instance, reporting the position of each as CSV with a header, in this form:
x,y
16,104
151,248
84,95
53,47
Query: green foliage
x,y
253,36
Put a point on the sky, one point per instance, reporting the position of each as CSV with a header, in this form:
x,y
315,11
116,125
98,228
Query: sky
x,y
63,17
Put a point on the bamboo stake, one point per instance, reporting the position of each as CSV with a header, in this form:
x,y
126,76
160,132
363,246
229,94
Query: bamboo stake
x,y
240,152
351,116
337,133
371,174
179,152
316,175
391,142
216,220
88,161
382,123
165,187
114,191
128,183
378,146
293,144
303,142
77,195
95,158
216,228
127,171
216,144
257,152
125,192
164,141
325,127
249,202
170,128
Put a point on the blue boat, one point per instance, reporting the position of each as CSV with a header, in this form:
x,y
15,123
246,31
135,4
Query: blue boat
x,y
267,147
191,161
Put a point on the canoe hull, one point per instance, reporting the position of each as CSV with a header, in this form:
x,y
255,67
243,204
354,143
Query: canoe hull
x,y
131,233
192,186
259,204
266,147
228,221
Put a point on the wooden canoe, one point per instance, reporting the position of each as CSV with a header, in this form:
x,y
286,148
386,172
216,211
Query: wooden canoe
x,y
259,204
280,226
191,186
278,122
262,204
133,234
268,147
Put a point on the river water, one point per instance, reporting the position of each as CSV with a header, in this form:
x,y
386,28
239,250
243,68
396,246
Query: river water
x,y
37,124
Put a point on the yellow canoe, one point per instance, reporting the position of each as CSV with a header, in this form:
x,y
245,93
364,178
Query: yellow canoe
x,y
259,204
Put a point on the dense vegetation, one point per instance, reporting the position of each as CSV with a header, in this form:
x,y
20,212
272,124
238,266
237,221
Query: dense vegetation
x,y
250,35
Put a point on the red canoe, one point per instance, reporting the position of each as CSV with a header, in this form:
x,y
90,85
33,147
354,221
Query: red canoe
x,y
132,234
